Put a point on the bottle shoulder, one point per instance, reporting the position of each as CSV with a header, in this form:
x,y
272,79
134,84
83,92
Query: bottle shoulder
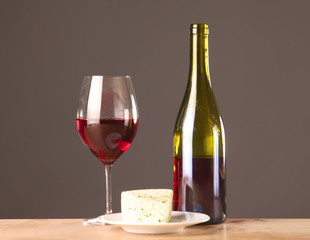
x,y
201,106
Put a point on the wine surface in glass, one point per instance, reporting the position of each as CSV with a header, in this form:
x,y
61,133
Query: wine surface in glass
x,y
107,139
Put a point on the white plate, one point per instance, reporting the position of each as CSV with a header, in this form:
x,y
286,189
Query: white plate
x,y
179,220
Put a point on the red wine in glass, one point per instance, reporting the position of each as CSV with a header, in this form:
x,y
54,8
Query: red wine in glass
x,y
107,139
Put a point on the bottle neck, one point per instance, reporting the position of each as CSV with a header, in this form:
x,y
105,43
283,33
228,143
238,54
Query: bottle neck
x,y
199,59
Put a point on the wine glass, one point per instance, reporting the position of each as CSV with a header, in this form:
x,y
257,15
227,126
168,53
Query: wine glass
x,y
107,121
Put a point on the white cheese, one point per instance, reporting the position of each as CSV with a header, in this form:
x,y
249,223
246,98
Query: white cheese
x,y
147,205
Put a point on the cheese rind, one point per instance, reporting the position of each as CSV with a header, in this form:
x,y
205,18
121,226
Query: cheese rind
x,y
147,205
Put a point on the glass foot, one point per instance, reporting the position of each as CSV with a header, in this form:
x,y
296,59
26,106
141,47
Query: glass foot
x,y
94,221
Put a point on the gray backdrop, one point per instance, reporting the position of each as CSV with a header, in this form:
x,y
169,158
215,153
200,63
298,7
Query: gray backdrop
x,y
260,68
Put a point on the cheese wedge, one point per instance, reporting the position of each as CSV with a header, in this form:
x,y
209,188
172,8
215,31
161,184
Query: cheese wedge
x,y
147,205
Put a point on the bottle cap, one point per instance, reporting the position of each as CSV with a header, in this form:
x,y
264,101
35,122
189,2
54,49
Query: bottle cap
x,y
199,28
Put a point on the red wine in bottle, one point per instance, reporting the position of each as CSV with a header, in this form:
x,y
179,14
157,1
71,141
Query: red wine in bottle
x,y
208,192
199,140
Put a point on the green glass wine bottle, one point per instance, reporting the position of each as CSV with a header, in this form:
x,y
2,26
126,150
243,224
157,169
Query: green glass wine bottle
x,y
199,175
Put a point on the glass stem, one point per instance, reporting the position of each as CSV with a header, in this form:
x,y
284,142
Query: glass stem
x,y
108,185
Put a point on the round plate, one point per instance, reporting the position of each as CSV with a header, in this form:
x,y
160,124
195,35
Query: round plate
x,y
179,220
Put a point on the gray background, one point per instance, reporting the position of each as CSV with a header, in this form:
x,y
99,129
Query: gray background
x,y
260,68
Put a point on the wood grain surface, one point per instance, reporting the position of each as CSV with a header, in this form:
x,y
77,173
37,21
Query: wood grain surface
x,y
63,229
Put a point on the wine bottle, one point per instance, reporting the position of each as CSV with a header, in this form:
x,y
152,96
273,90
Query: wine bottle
x,y
199,176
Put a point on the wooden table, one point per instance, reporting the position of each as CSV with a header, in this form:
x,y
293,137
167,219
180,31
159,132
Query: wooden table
x,y
73,229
